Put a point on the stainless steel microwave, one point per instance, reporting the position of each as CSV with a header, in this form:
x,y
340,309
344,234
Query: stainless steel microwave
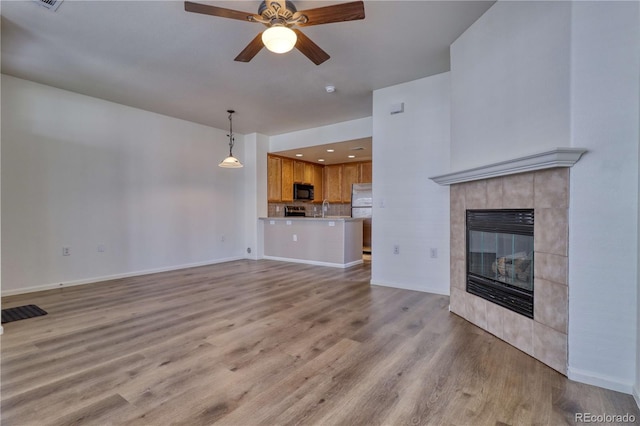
x,y
302,192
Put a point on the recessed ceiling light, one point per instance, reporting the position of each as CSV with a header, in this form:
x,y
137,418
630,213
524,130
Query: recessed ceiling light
x,y
330,88
321,159
352,156
298,155
331,150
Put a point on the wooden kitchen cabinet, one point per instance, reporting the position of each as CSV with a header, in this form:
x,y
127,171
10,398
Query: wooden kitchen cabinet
x,y
333,183
365,172
349,177
317,181
302,172
274,179
298,172
308,172
287,179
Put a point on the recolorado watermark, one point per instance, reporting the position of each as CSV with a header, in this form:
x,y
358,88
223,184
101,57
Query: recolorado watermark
x,y
604,418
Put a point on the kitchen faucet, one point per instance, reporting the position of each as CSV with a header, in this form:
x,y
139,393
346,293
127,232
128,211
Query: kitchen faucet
x,y
325,209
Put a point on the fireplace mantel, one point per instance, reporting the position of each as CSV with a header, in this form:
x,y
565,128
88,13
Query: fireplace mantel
x,y
558,157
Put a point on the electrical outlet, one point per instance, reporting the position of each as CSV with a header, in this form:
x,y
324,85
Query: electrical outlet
x,y
66,251
295,237
434,253
396,249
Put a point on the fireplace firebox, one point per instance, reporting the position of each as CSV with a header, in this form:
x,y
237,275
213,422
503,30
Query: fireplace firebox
x,y
500,257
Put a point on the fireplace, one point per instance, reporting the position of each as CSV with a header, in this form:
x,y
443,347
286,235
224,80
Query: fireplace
x,y
540,183
500,257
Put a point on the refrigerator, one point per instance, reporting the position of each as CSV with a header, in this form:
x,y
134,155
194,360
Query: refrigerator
x,y
361,206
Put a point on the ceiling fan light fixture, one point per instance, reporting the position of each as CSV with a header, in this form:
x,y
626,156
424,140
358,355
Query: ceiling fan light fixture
x,y
279,39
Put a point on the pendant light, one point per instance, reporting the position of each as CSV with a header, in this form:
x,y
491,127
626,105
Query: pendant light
x,y
230,162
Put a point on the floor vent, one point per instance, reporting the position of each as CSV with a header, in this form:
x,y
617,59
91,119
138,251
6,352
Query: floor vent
x,y
52,5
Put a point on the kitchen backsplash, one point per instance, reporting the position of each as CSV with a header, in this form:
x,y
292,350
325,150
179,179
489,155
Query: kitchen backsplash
x,y
335,209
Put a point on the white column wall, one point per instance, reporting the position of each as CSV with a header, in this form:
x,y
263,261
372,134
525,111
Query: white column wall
x,y
255,192
409,209
603,216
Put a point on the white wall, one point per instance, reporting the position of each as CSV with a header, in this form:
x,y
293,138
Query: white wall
x,y
339,132
409,209
255,192
603,245
510,83
82,172
636,388
528,76
1,329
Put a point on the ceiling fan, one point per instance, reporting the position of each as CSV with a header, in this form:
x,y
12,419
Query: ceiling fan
x,y
281,19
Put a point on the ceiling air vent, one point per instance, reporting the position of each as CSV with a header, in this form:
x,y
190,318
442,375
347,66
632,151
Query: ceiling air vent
x,y
49,4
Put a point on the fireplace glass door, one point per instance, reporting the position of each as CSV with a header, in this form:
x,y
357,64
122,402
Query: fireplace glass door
x,y
507,258
500,257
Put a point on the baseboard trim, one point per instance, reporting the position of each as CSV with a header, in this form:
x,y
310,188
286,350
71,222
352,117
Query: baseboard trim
x,y
602,381
115,276
314,262
409,287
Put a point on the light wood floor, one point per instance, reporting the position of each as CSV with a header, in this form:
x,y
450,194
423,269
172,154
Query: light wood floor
x,y
264,342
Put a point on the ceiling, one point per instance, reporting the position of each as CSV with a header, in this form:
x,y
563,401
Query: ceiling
x,y
155,56
333,153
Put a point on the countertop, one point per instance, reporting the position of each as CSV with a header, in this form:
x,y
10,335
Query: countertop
x,y
308,218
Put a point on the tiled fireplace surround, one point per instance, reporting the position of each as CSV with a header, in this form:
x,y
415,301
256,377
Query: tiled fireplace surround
x,y
547,192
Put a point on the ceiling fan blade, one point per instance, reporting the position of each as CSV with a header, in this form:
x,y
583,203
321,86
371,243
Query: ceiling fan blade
x,y
335,13
310,49
251,50
216,11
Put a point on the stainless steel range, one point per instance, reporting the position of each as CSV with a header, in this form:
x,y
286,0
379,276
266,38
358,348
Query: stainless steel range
x,y
295,211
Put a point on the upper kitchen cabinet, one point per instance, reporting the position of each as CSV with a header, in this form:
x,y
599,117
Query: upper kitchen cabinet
x,y
274,179
365,172
349,177
333,183
287,179
338,179
318,182
302,172
283,172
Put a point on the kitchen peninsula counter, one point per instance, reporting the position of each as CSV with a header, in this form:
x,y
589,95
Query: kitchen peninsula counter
x,y
329,241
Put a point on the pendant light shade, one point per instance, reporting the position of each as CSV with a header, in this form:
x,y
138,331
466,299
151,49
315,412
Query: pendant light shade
x,y
279,39
230,162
